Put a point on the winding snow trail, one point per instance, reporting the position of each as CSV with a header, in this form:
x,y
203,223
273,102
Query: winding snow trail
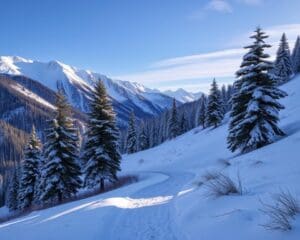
x,y
155,221
139,211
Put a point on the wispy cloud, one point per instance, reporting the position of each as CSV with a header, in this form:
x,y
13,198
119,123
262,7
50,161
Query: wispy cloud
x,y
222,6
219,6
205,66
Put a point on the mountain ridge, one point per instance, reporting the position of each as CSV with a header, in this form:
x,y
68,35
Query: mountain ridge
x,y
77,84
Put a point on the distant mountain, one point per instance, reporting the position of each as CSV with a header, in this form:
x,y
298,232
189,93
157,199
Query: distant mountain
x,y
183,96
77,84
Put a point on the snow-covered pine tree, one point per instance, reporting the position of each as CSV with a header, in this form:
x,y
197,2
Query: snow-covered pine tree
x,y
296,56
29,175
173,122
224,98
254,114
202,111
214,110
143,139
12,197
229,93
283,68
183,128
132,135
101,153
60,178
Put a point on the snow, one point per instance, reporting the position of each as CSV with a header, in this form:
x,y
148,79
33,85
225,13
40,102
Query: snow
x,y
183,96
77,83
32,95
170,202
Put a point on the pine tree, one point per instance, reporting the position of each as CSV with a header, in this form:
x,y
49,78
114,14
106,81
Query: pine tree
x,y
12,198
61,170
30,171
255,108
173,122
101,154
230,91
283,68
132,135
143,139
214,111
202,111
183,124
296,56
224,98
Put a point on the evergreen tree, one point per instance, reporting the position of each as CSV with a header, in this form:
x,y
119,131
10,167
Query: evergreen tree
x,y
61,170
296,56
101,154
224,98
255,108
132,135
214,111
183,124
12,198
283,68
143,139
173,122
30,171
230,91
202,111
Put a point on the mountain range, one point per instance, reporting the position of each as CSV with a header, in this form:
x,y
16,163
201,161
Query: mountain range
x,y
77,85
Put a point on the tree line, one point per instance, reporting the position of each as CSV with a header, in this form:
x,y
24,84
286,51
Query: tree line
x,y
251,101
57,170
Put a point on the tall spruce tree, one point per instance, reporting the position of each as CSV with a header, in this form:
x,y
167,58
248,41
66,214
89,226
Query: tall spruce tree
x,y
132,135
30,171
143,139
101,153
283,68
255,108
61,171
214,110
12,198
174,130
202,111
296,56
183,124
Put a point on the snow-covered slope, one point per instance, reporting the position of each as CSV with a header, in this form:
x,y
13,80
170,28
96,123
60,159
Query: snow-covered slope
x,y
169,201
77,84
183,96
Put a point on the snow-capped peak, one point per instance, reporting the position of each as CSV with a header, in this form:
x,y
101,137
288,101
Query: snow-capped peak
x,y
182,95
77,84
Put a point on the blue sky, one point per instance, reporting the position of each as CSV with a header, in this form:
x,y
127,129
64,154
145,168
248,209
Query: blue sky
x,y
160,43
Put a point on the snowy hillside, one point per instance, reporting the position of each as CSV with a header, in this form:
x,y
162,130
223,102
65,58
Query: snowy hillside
x,y
171,199
183,96
77,84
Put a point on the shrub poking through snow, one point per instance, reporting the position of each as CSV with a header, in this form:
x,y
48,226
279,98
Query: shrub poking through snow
x,y
223,185
210,175
280,214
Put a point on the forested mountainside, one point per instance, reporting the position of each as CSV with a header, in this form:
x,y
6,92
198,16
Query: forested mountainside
x,y
23,103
